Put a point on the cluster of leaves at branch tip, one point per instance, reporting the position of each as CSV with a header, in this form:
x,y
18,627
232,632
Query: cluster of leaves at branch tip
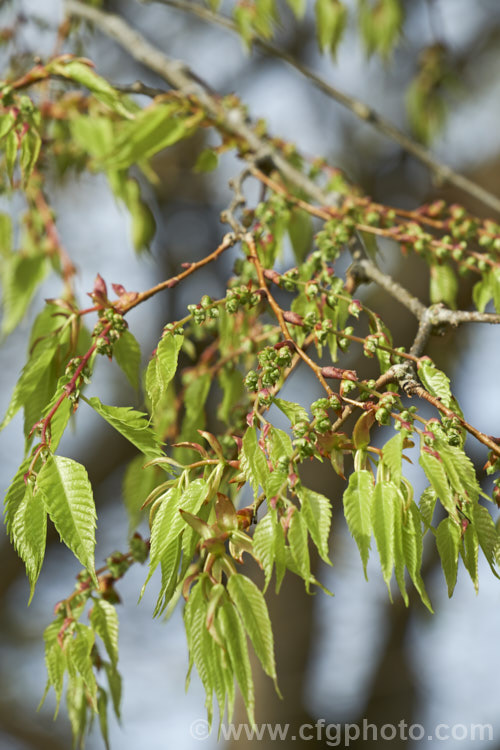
x,y
285,304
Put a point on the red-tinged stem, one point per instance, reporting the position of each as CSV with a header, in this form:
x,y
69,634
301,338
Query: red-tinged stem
x,y
69,387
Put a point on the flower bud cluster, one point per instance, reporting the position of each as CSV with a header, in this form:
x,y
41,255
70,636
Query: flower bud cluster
x,y
205,309
116,325
241,296
387,403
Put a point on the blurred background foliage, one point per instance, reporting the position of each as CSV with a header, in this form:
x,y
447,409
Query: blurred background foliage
x,y
431,67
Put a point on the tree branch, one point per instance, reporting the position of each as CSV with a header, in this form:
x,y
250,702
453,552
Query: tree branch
x,y
442,172
178,75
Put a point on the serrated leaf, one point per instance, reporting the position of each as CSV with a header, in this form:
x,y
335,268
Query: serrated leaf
x,y
316,510
127,354
104,621
76,703
331,18
361,431
386,512
413,549
436,474
294,412
444,285
20,276
482,293
80,72
495,287
115,687
29,534
263,545
33,370
195,614
79,650
169,563
298,545
280,445
15,496
68,498
358,499
435,381
132,424
448,543
253,461
102,710
469,552
10,150
154,128
460,470
253,610
55,663
168,522
162,367
392,454
427,504
380,25
28,153
236,645
486,534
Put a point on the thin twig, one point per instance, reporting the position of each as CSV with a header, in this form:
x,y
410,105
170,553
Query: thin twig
x,y
443,172
178,75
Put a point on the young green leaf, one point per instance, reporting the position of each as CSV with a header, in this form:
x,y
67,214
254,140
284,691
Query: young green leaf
x,y
14,496
80,72
436,474
482,292
162,367
331,18
280,445
195,614
253,611
469,552
435,381
104,621
412,542
358,499
487,534
67,494
236,645
253,461
127,354
29,380
294,412
29,533
386,512
316,510
448,544
20,276
444,285
392,454
168,522
427,504
298,545
130,423
153,129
